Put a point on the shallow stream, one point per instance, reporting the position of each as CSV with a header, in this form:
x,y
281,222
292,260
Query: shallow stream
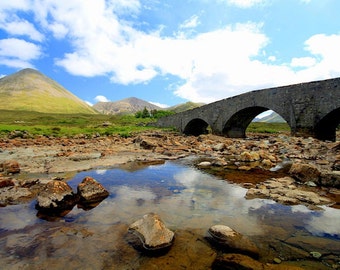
x,y
189,201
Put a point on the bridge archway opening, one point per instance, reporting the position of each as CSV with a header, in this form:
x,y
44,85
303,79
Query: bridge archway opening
x,y
238,123
196,127
327,127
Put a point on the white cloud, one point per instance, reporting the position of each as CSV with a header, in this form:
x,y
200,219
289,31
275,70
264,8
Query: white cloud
x,y
210,65
245,3
22,28
159,104
303,62
18,53
15,4
192,22
101,99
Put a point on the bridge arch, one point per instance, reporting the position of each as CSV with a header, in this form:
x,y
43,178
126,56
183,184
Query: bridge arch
x,y
325,129
236,125
196,127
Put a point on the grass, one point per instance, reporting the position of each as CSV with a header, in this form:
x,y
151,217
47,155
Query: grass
x,y
59,125
68,125
269,128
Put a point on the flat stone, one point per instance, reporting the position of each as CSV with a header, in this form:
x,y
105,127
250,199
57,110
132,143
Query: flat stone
x,y
232,240
152,232
239,261
204,164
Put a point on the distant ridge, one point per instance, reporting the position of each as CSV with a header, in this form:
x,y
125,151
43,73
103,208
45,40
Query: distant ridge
x,y
132,105
271,118
184,106
125,106
30,90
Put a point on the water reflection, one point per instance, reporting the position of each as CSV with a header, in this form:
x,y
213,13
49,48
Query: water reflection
x,y
184,197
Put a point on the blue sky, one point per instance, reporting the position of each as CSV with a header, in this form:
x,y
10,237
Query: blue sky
x,y
169,52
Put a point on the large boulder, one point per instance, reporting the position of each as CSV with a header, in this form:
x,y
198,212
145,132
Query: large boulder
x,y
56,195
305,172
152,232
231,240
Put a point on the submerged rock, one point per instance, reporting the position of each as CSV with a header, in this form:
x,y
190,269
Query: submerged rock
x,y
231,240
238,261
152,232
56,195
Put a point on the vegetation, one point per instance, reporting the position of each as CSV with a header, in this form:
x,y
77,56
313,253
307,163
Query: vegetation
x,y
263,127
58,125
145,113
47,124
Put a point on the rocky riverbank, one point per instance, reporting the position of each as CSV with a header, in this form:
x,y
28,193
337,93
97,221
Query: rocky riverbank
x,y
26,165
309,175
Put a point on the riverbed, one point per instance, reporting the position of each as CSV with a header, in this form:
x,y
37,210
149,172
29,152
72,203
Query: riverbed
x,y
189,201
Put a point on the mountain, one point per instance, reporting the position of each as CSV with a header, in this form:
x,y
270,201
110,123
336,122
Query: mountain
x,y
184,107
30,90
124,106
271,118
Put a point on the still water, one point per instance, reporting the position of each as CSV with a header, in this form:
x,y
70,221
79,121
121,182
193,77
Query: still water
x,y
188,201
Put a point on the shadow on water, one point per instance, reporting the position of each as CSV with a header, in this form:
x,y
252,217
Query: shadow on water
x,y
189,201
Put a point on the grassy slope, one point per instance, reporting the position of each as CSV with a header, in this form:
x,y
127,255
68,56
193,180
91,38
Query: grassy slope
x,y
69,124
29,90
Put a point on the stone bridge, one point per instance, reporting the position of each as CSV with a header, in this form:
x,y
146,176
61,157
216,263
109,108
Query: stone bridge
x,y
310,109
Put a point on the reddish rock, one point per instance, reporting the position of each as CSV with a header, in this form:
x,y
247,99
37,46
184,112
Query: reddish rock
x,y
11,167
55,196
5,182
90,191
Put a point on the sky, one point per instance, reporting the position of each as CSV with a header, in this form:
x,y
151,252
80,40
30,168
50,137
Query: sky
x,y
170,52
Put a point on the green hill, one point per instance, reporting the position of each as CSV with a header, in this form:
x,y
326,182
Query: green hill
x,y
184,107
30,90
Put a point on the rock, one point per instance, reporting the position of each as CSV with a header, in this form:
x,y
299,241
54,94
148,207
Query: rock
x,y
249,156
233,261
91,191
14,195
219,147
336,165
283,190
330,179
305,172
6,182
10,167
229,239
56,195
147,145
152,232
204,164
